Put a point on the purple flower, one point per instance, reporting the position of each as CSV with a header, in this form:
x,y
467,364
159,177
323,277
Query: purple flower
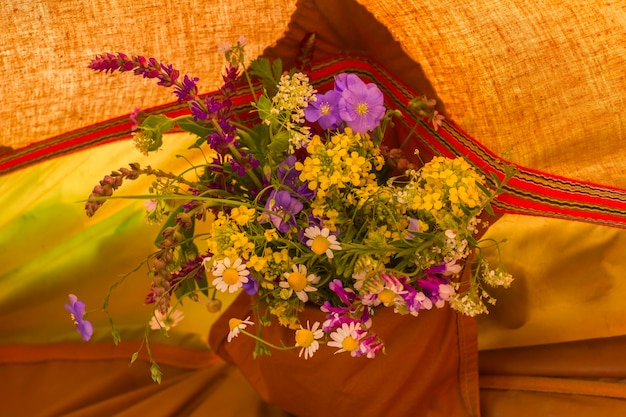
x,y
187,90
369,346
347,296
362,105
251,287
325,110
288,175
77,312
283,208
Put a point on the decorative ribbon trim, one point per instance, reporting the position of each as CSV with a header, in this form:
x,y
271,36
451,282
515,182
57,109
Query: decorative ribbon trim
x,y
530,192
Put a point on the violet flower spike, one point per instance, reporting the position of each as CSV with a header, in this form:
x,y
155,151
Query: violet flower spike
x,y
187,90
77,313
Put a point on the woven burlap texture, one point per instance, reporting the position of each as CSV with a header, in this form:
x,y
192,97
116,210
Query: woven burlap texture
x,y
540,82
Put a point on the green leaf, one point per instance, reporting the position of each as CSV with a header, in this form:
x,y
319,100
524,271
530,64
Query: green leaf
x,y
280,143
269,73
483,189
188,124
134,357
264,106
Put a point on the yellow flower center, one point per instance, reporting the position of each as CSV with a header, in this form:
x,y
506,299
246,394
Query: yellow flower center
x,y
304,337
325,109
349,344
386,296
297,281
232,323
320,244
361,109
230,276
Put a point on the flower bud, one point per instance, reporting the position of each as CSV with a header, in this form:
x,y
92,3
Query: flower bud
x,y
214,306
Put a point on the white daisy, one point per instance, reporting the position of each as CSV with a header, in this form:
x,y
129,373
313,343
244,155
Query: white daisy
x,y
165,321
298,281
307,339
321,241
230,276
236,325
346,338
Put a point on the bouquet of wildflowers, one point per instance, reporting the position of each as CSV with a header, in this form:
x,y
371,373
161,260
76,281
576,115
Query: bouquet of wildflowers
x,y
302,205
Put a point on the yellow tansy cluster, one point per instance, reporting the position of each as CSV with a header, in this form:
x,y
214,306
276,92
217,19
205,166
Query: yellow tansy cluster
x,y
226,240
337,163
449,183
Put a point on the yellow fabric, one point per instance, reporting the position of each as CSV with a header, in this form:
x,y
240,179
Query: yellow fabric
x,y
50,248
569,283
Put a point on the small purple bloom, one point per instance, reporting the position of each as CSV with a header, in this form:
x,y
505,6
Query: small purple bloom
x,y
362,106
340,81
288,175
251,287
347,296
283,208
369,346
77,312
325,110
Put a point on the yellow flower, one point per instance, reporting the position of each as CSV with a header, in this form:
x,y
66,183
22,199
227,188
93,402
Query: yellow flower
x,y
241,215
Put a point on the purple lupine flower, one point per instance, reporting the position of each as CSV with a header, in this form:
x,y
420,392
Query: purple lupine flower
x,y
325,110
247,163
168,75
148,68
362,106
77,313
187,90
283,208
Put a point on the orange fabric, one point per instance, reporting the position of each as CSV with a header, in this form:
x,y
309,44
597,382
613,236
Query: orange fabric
x,y
95,380
170,355
429,370
574,379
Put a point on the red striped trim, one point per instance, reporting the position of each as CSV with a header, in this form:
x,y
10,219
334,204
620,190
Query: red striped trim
x,y
531,192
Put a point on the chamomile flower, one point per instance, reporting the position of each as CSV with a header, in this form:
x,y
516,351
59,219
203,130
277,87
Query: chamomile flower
x,y
300,282
165,321
230,276
307,339
346,338
236,325
321,241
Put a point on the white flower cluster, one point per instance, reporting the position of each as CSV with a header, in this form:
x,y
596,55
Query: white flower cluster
x,y
293,96
497,278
